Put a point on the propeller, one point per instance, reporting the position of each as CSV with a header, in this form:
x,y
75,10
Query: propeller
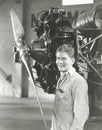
x,y
17,27
18,32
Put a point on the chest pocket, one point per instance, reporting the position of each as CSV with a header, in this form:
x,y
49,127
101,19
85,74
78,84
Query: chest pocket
x,y
60,93
64,92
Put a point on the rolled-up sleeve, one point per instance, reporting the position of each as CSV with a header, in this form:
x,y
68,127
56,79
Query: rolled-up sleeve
x,y
81,104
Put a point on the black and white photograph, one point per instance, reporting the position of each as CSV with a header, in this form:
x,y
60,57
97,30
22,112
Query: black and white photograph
x,y
50,65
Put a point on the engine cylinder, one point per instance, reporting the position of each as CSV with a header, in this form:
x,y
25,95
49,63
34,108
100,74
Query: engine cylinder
x,y
91,18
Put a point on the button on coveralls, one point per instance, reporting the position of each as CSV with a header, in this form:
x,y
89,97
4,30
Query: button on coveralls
x,y
71,108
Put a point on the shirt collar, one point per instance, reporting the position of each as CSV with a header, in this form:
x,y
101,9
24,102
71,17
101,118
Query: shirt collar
x,y
71,71
65,76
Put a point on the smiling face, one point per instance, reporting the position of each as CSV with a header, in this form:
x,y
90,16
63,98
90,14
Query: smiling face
x,y
64,61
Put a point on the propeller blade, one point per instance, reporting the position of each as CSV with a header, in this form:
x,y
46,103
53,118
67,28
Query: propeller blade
x,y
17,27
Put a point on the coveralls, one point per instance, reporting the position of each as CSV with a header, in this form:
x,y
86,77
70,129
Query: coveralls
x,y
71,107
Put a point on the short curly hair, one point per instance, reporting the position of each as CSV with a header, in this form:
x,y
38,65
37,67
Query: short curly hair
x,y
68,49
